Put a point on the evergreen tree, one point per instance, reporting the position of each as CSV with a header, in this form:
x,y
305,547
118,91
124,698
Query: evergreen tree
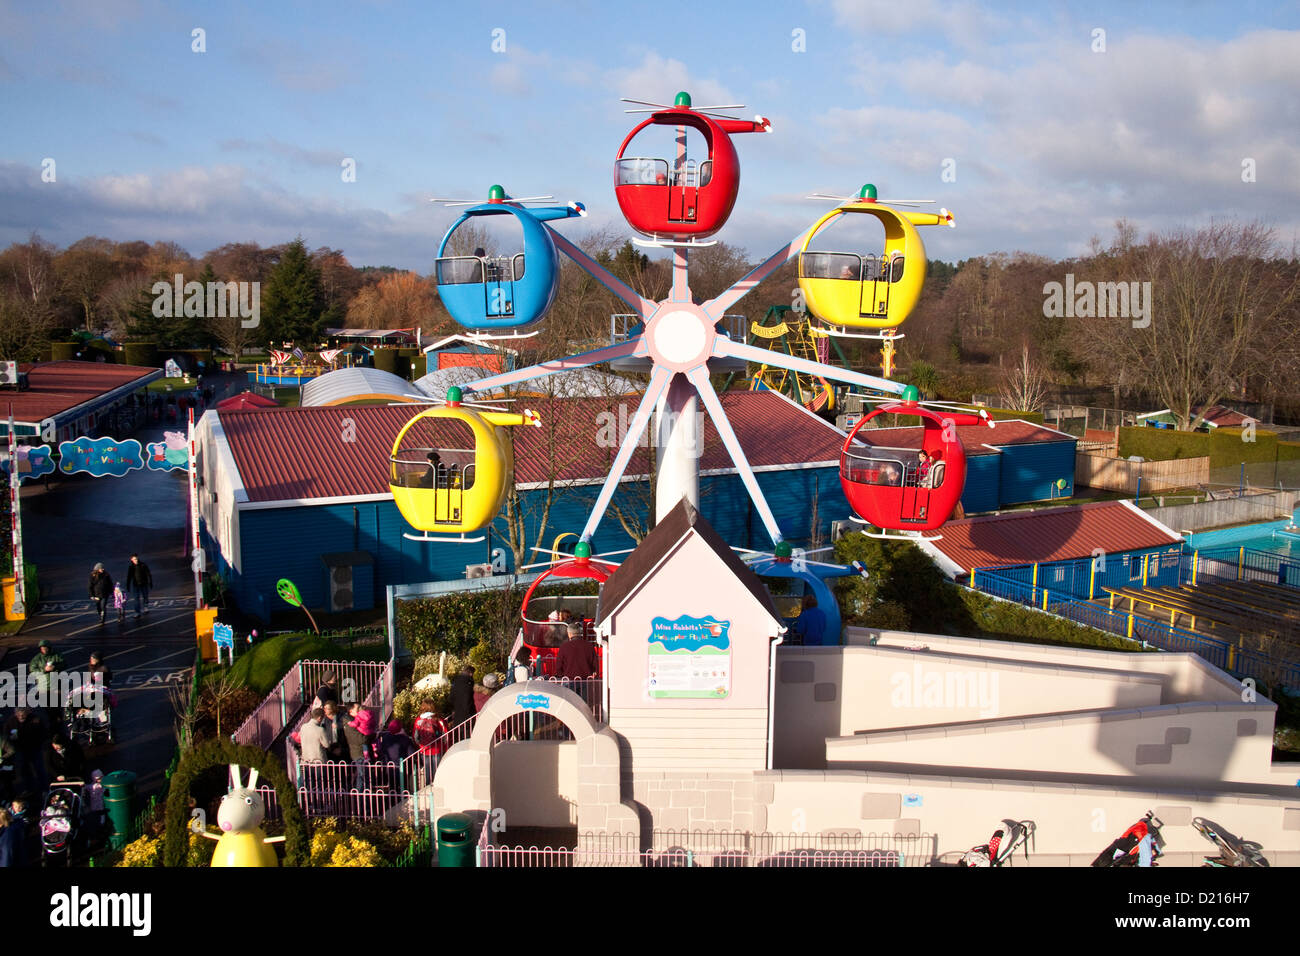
x,y
293,303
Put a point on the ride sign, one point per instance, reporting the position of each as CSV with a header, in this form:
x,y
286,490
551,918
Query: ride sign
x,y
689,657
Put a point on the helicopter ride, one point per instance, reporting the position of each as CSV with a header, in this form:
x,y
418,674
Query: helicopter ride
x,y
905,490
490,295
544,617
451,467
683,201
849,292
800,578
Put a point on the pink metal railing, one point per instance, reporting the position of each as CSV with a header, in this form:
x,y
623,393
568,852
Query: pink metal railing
x,y
357,679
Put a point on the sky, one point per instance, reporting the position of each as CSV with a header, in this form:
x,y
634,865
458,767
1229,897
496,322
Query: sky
x,y
1038,124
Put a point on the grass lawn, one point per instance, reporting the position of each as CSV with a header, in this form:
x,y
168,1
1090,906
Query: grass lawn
x,y
165,385
261,666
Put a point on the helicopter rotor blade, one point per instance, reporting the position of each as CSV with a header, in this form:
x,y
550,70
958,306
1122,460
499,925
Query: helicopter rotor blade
x,y
906,202
830,198
529,198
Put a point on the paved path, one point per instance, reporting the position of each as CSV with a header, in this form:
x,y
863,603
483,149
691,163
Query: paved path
x,y
70,526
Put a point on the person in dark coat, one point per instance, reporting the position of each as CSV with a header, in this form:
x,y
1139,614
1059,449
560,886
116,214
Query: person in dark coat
x,y
140,581
12,844
576,659
395,745
27,735
462,696
101,589
64,759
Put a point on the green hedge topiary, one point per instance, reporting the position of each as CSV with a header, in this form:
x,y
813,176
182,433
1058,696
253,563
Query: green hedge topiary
x,y
221,753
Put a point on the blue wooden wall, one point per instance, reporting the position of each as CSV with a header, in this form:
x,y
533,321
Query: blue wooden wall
x,y
288,542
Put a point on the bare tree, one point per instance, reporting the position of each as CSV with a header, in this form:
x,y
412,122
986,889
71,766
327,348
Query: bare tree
x,y
1024,388
1222,309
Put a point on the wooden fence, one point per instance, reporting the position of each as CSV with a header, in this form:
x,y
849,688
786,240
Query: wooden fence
x,y
1119,474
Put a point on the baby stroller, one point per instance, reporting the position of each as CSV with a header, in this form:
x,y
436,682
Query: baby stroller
x,y
1232,851
1126,849
1008,838
60,823
91,724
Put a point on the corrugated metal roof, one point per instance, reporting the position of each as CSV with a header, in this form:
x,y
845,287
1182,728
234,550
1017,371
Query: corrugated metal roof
x,y
352,384
298,453
55,387
1049,534
975,439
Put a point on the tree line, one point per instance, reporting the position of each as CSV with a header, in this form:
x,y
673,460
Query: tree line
x,y
1209,313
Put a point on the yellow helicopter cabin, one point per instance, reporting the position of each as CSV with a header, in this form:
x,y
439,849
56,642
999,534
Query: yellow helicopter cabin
x,y
451,468
851,291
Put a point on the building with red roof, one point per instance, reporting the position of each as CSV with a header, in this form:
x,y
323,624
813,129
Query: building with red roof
x,y
286,491
74,398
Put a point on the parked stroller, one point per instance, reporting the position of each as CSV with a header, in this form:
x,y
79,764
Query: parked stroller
x,y
1011,836
60,823
1126,849
1232,851
91,725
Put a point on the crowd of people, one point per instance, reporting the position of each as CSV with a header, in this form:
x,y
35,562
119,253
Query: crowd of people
x,y
339,732
36,753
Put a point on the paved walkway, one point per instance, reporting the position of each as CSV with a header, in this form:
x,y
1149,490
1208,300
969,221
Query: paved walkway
x,y
79,521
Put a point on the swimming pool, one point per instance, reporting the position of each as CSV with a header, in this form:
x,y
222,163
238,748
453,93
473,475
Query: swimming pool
x,y
1266,536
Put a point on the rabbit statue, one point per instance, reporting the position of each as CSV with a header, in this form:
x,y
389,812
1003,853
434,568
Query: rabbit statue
x,y
242,842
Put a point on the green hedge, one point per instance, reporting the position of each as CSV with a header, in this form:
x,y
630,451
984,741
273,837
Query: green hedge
x,y
219,753
1223,446
144,354
64,351
455,623
386,360
906,591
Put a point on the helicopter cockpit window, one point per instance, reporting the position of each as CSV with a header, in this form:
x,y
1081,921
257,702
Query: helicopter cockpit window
x,y
896,269
641,171
436,453
830,265
458,270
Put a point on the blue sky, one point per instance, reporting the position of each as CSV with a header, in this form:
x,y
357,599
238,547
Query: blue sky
x,y
1052,141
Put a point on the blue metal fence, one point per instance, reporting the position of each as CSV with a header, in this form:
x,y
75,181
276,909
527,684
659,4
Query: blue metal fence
x,y
1028,585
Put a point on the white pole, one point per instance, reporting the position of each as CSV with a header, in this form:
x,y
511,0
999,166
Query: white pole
x,y
16,520
680,446
195,546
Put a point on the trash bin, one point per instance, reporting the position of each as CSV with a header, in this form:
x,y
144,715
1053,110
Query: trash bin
x,y
455,847
119,796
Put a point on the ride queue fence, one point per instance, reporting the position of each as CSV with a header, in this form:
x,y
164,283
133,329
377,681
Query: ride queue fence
x,y
718,848
356,679
1066,589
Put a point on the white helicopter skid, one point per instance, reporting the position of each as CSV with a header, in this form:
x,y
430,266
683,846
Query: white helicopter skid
x,y
674,243
482,338
439,539
886,535
864,336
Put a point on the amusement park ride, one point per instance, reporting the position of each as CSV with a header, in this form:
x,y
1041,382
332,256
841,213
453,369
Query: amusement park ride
x,y
676,204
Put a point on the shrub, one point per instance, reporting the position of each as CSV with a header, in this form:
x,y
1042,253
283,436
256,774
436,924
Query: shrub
x,y
218,753
143,852
201,849
331,848
266,662
485,660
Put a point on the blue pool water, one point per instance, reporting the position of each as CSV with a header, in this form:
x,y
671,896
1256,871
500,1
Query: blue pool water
x,y
1267,536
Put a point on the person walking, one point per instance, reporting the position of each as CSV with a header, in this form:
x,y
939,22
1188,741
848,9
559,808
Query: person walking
x,y
119,603
46,665
26,734
139,582
101,590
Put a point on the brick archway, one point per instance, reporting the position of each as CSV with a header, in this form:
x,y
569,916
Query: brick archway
x,y
464,778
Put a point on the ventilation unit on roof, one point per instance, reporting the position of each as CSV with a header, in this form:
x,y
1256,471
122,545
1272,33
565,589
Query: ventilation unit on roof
x,y
8,373
478,570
